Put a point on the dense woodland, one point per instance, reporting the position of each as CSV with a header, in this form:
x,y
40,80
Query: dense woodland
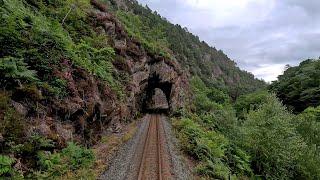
x,y
235,127
298,87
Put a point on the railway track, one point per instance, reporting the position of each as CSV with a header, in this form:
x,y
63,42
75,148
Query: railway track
x,y
148,155
154,163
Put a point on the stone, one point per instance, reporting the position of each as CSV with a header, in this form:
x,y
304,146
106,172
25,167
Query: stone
x,y
1,138
21,109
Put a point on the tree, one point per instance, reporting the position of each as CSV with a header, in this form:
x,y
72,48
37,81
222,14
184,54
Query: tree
x,y
299,87
270,137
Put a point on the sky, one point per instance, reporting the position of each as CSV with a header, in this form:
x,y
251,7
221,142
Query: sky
x,y
261,36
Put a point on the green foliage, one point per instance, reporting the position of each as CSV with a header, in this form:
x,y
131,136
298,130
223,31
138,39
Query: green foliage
x,y
160,36
215,170
299,87
210,134
207,146
250,101
38,35
6,166
308,126
71,158
31,43
12,69
97,61
269,141
207,99
270,137
152,37
11,122
239,161
308,164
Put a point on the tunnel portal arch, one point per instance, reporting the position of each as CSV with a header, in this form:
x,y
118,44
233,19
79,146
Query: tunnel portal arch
x,y
155,84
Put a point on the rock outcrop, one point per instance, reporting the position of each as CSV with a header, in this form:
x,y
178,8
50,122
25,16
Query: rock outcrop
x,y
146,70
90,105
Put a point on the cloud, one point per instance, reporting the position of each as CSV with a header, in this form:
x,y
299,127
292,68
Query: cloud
x,y
261,36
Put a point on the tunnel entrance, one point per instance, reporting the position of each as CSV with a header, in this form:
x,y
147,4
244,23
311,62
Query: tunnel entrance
x,y
157,97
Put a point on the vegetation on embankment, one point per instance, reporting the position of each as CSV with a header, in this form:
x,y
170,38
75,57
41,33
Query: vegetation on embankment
x,y
159,36
45,45
36,44
255,137
52,53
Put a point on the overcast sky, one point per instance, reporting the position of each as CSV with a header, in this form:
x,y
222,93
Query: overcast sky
x,y
262,36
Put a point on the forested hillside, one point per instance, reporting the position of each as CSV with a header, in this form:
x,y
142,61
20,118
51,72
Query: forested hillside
x,y
255,137
299,87
158,35
74,72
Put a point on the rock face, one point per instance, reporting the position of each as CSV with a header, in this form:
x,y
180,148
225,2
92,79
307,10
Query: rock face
x,y
91,106
158,100
147,71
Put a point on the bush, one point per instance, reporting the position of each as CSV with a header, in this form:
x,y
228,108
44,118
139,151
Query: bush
x,y
14,71
271,139
223,120
96,61
248,102
12,123
239,161
207,99
207,146
151,37
212,170
71,158
308,126
6,166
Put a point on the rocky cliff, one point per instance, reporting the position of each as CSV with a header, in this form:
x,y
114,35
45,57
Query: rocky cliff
x,y
91,105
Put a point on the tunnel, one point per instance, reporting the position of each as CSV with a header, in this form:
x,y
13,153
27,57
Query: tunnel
x,y
157,97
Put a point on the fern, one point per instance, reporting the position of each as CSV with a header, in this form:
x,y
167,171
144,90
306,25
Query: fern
x,y
12,68
5,165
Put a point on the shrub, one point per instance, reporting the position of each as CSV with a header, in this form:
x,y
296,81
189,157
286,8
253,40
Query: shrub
x,y
271,139
71,158
12,123
14,71
98,61
207,146
213,170
151,37
204,98
6,166
308,126
250,102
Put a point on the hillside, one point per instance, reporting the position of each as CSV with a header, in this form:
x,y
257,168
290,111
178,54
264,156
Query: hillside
x,y
76,77
298,87
68,83
214,67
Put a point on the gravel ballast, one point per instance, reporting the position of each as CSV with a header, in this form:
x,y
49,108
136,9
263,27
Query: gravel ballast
x,y
123,165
